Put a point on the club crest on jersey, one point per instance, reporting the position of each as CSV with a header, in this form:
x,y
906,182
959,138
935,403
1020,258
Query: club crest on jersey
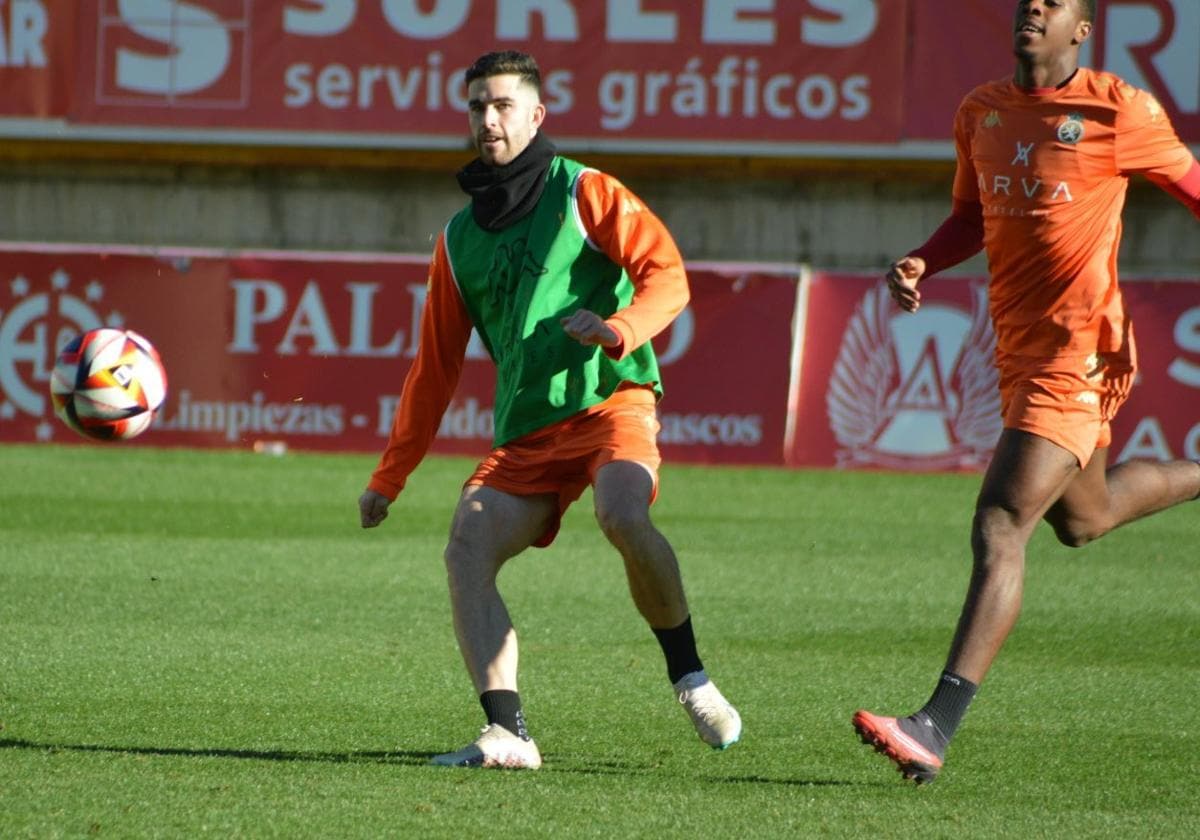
x,y
1070,131
992,120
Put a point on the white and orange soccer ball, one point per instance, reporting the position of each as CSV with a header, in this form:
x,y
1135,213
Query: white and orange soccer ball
x,y
108,383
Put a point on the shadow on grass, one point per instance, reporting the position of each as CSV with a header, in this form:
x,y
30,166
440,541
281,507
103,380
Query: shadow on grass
x,y
412,758
765,780
608,768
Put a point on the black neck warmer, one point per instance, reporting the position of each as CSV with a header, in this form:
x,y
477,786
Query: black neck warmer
x,y
503,195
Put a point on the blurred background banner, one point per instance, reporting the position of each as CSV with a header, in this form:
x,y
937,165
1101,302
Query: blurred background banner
x,y
312,350
1152,44
38,47
701,71
879,388
845,77
769,364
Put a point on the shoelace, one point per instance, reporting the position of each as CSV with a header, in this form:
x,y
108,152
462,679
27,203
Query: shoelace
x,y
706,705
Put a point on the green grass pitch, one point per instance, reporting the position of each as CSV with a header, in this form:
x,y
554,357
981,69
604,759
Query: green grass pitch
x,y
207,644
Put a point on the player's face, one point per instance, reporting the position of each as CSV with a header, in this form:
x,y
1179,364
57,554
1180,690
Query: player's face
x,y
1048,28
504,116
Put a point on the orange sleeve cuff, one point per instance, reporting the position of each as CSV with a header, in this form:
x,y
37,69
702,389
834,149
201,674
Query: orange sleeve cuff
x,y
1187,189
385,488
959,238
625,333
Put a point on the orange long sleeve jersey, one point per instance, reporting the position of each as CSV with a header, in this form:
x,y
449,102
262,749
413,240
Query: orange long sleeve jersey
x,y
614,221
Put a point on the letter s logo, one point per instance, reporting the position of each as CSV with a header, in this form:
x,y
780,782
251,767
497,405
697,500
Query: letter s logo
x,y
198,43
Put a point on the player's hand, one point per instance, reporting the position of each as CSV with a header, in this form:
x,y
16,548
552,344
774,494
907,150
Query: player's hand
x,y
588,329
902,280
372,508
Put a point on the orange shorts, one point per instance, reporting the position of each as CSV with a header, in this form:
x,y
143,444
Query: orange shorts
x,y
1069,401
563,458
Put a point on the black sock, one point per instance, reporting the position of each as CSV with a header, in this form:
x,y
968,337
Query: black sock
x,y
946,708
504,708
679,647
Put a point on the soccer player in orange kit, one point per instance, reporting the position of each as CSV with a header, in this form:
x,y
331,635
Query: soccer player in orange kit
x,y
1043,161
566,276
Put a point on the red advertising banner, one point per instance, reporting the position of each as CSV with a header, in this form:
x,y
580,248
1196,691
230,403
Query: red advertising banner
x,y
726,366
880,388
37,57
845,78
1152,44
311,351
825,70
1162,417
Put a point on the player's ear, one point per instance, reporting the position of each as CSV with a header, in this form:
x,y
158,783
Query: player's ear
x,y
1083,31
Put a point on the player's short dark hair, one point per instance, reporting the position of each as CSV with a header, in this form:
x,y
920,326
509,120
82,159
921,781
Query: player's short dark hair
x,y
506,63
1087,8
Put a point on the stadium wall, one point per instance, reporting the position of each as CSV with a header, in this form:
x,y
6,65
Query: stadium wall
x,y
834,214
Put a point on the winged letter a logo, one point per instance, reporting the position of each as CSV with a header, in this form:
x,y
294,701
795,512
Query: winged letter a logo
x,y
916,391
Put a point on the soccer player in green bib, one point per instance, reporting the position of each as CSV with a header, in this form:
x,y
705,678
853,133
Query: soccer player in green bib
x,y
566,276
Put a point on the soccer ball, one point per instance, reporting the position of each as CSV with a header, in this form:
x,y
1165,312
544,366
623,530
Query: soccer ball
x,y
108,383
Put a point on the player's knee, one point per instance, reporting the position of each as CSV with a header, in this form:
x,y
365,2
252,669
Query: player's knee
x,y
469,564
621,522
455,558
1075,526
1076,533
996,528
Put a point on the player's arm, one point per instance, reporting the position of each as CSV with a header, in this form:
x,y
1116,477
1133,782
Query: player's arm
x,y
1186,190
1146,144
957,239
619,224
427,389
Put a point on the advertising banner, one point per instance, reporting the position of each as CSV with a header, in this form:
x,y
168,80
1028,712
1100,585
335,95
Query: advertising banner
x,y
840,78
37,57
311,351
881,388
1161,420
624,70
1152,44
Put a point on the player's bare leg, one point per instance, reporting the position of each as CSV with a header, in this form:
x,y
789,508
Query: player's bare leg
x,y
1026,476
490,527
1102,498
622,492
1029,478
622,496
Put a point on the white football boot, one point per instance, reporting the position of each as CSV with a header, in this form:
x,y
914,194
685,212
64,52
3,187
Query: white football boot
x,y
717,723
495,747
